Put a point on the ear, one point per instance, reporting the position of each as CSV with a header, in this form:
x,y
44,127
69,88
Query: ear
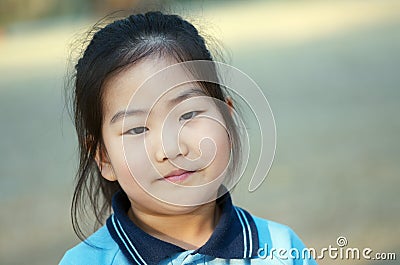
x,y
229,102
104,165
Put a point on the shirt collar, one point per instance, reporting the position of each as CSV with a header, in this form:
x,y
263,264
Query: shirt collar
x,y
234,237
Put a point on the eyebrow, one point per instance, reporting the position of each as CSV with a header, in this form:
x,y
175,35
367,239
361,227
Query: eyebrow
x,y
181,97
125,113
186,95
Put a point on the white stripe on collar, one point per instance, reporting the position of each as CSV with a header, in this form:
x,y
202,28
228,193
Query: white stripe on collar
x,y
125,239
247,238
248,230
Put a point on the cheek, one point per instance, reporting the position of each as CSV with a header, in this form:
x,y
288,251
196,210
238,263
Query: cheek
x,y
222,157
128,157
214,142
137,158
132,167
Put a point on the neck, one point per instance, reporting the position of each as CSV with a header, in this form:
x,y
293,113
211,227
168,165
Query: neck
x,y
189,230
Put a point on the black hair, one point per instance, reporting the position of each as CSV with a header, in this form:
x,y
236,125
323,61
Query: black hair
x,y
112,49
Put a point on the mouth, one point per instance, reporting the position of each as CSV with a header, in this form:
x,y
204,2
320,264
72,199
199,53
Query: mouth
x,y
178,176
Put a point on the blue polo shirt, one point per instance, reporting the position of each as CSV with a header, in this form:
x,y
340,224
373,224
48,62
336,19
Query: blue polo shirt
x,y
238,238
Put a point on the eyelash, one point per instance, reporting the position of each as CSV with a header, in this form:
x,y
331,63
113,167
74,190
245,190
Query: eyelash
x,y
185,117
133,131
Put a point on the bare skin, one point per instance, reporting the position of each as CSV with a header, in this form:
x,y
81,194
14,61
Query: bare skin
x,y
188,231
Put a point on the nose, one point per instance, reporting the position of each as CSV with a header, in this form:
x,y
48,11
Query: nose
x,y
170,145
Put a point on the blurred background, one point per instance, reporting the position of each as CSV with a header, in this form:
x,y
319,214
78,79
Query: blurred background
x,y
331,73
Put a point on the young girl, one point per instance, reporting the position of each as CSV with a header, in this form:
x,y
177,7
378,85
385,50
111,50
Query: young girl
x,y
159,145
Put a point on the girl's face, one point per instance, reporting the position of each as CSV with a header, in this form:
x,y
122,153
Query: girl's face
x,y
166,142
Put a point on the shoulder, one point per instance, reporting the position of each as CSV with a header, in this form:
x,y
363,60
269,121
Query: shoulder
x,y
273,233
274,237
99,249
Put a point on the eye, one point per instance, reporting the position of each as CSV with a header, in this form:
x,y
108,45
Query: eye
x,y
137,130
189,115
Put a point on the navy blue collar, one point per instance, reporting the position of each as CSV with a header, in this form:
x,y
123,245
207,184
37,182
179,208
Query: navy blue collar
x,y
234,237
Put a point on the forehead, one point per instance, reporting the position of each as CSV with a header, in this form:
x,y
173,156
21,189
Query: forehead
x,y
144,83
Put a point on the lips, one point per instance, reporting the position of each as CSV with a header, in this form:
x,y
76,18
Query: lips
x,y
178,175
